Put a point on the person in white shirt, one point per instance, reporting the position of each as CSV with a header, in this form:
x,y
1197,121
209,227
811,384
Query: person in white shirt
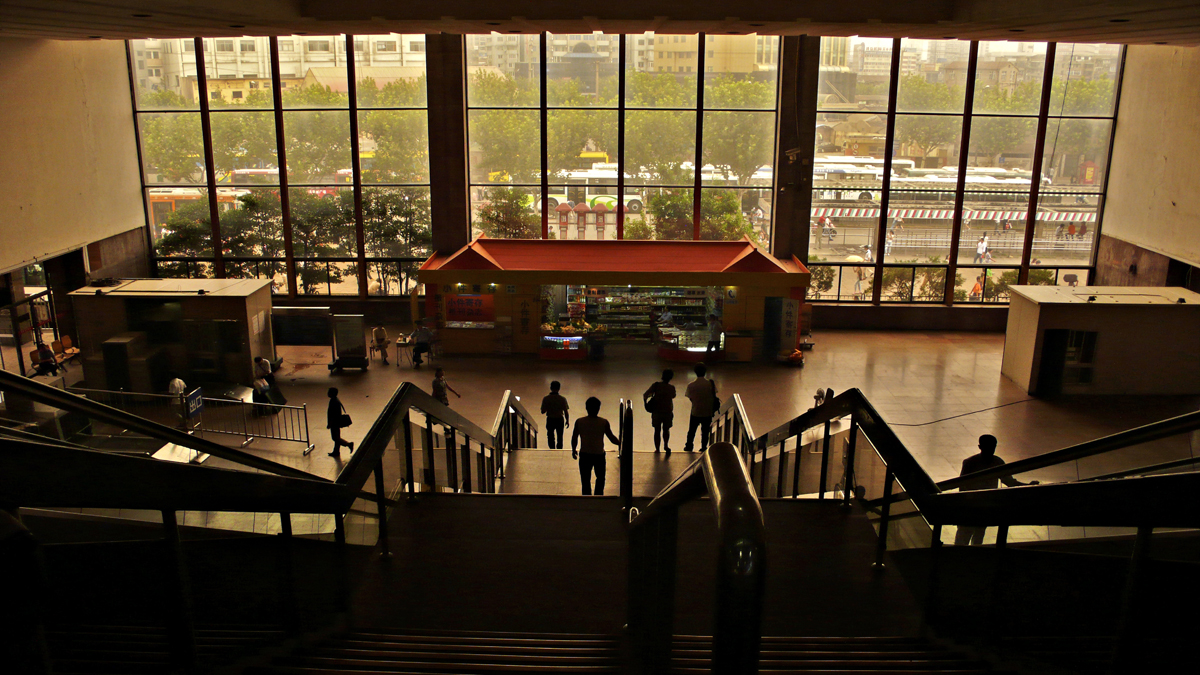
x,y
262,370
980,249
666,318
715,329
421,337
176,387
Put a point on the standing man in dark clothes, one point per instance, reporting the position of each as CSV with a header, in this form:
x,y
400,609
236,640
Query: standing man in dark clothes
x,y
335,422
588,439
702,392
986,459
558,417
659,400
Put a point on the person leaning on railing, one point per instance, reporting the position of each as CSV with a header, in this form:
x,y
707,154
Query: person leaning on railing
x,y
984,460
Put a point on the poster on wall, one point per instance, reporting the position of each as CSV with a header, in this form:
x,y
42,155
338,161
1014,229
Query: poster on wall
x,y
461,307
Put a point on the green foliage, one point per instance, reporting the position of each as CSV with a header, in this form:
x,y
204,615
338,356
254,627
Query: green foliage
x,y
822,276
926,133
994,136
998,290
173,147
396,225
161,99
638,229
506,215
720,215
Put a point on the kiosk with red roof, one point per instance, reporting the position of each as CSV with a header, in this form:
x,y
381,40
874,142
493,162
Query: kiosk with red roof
x,y
565,298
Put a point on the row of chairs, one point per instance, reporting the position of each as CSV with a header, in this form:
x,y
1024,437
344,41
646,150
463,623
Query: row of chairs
x,y
64,351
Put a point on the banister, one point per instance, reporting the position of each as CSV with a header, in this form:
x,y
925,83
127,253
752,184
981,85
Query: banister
x,y
1158,501
510,400
373,444
720,474
63,400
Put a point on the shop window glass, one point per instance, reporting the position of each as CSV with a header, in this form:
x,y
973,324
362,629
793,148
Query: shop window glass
x,y
393,146
379,88
251,222
998,219
396,222
322,222
582,146
1008,80
161,86
739,148
506,212
1084,80
505,146
660,147
322,82
656,76
932,76
318,146
743,72
1076,154
236,70
180,222
172,148
244,151
855,74
724,215
503,74
926,142
582,72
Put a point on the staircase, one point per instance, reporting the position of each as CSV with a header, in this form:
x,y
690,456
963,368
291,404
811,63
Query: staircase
x,y
404,652
135,649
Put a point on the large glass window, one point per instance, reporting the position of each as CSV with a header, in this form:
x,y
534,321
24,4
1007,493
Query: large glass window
x,y
666,78
931,78
322,170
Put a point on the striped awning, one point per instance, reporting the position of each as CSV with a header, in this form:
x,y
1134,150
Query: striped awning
x,y
948,214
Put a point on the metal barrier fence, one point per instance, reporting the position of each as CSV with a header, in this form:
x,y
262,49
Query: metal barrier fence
x,y
216,416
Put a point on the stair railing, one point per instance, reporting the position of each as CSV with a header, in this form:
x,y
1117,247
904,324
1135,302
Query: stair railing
x,y
625,456
741,565
514,427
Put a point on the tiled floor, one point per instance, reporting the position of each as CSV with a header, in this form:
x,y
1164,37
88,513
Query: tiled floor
x,y
939,390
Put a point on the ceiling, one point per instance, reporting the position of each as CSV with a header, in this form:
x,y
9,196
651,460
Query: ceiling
x,y
1172,22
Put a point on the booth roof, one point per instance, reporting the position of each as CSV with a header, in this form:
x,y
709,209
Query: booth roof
x,y
628,255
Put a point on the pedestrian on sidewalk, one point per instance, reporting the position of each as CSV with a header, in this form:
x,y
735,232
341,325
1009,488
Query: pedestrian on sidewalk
x,y
558,417
985,459
659,401
336,419
702,392
441,386
587,445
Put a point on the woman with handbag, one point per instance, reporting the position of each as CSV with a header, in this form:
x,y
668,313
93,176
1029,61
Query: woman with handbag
x,y
336,420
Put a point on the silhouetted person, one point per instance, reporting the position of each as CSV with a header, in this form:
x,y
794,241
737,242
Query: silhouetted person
x,y
336,419
587,445
659,400
702,392
986,459
441,386
558,416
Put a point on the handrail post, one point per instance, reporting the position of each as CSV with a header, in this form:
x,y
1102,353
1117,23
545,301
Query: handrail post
x,y
762,465
381,508
996,620
626,458
885,512
848,476
452,459
1125,652
796,465
466,463
287,576
931,593
824,463
782,462
652,563
430,468
408,457
307,433
181,634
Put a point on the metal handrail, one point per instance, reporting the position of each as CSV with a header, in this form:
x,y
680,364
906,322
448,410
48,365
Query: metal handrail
x,y
741,568
58,398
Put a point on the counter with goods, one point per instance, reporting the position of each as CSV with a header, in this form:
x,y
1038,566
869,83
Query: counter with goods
x,y
576,340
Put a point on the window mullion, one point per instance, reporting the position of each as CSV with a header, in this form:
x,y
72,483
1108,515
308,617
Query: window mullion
x,y
1039,145
620,203
699,163
964,148
285,203
889,150
545,159
210,176
355,166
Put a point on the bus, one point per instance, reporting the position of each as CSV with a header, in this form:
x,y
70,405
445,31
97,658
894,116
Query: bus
x,y
165,201
597,185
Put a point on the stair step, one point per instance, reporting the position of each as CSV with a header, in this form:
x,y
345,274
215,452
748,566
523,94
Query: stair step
x,y
850,664
829,655
379,648
365,665
472,656
433,639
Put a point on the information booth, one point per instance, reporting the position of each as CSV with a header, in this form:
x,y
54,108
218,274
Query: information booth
x,y
568,299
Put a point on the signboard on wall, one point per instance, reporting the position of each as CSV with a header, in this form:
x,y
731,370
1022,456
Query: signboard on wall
x,y
461,307
789,323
